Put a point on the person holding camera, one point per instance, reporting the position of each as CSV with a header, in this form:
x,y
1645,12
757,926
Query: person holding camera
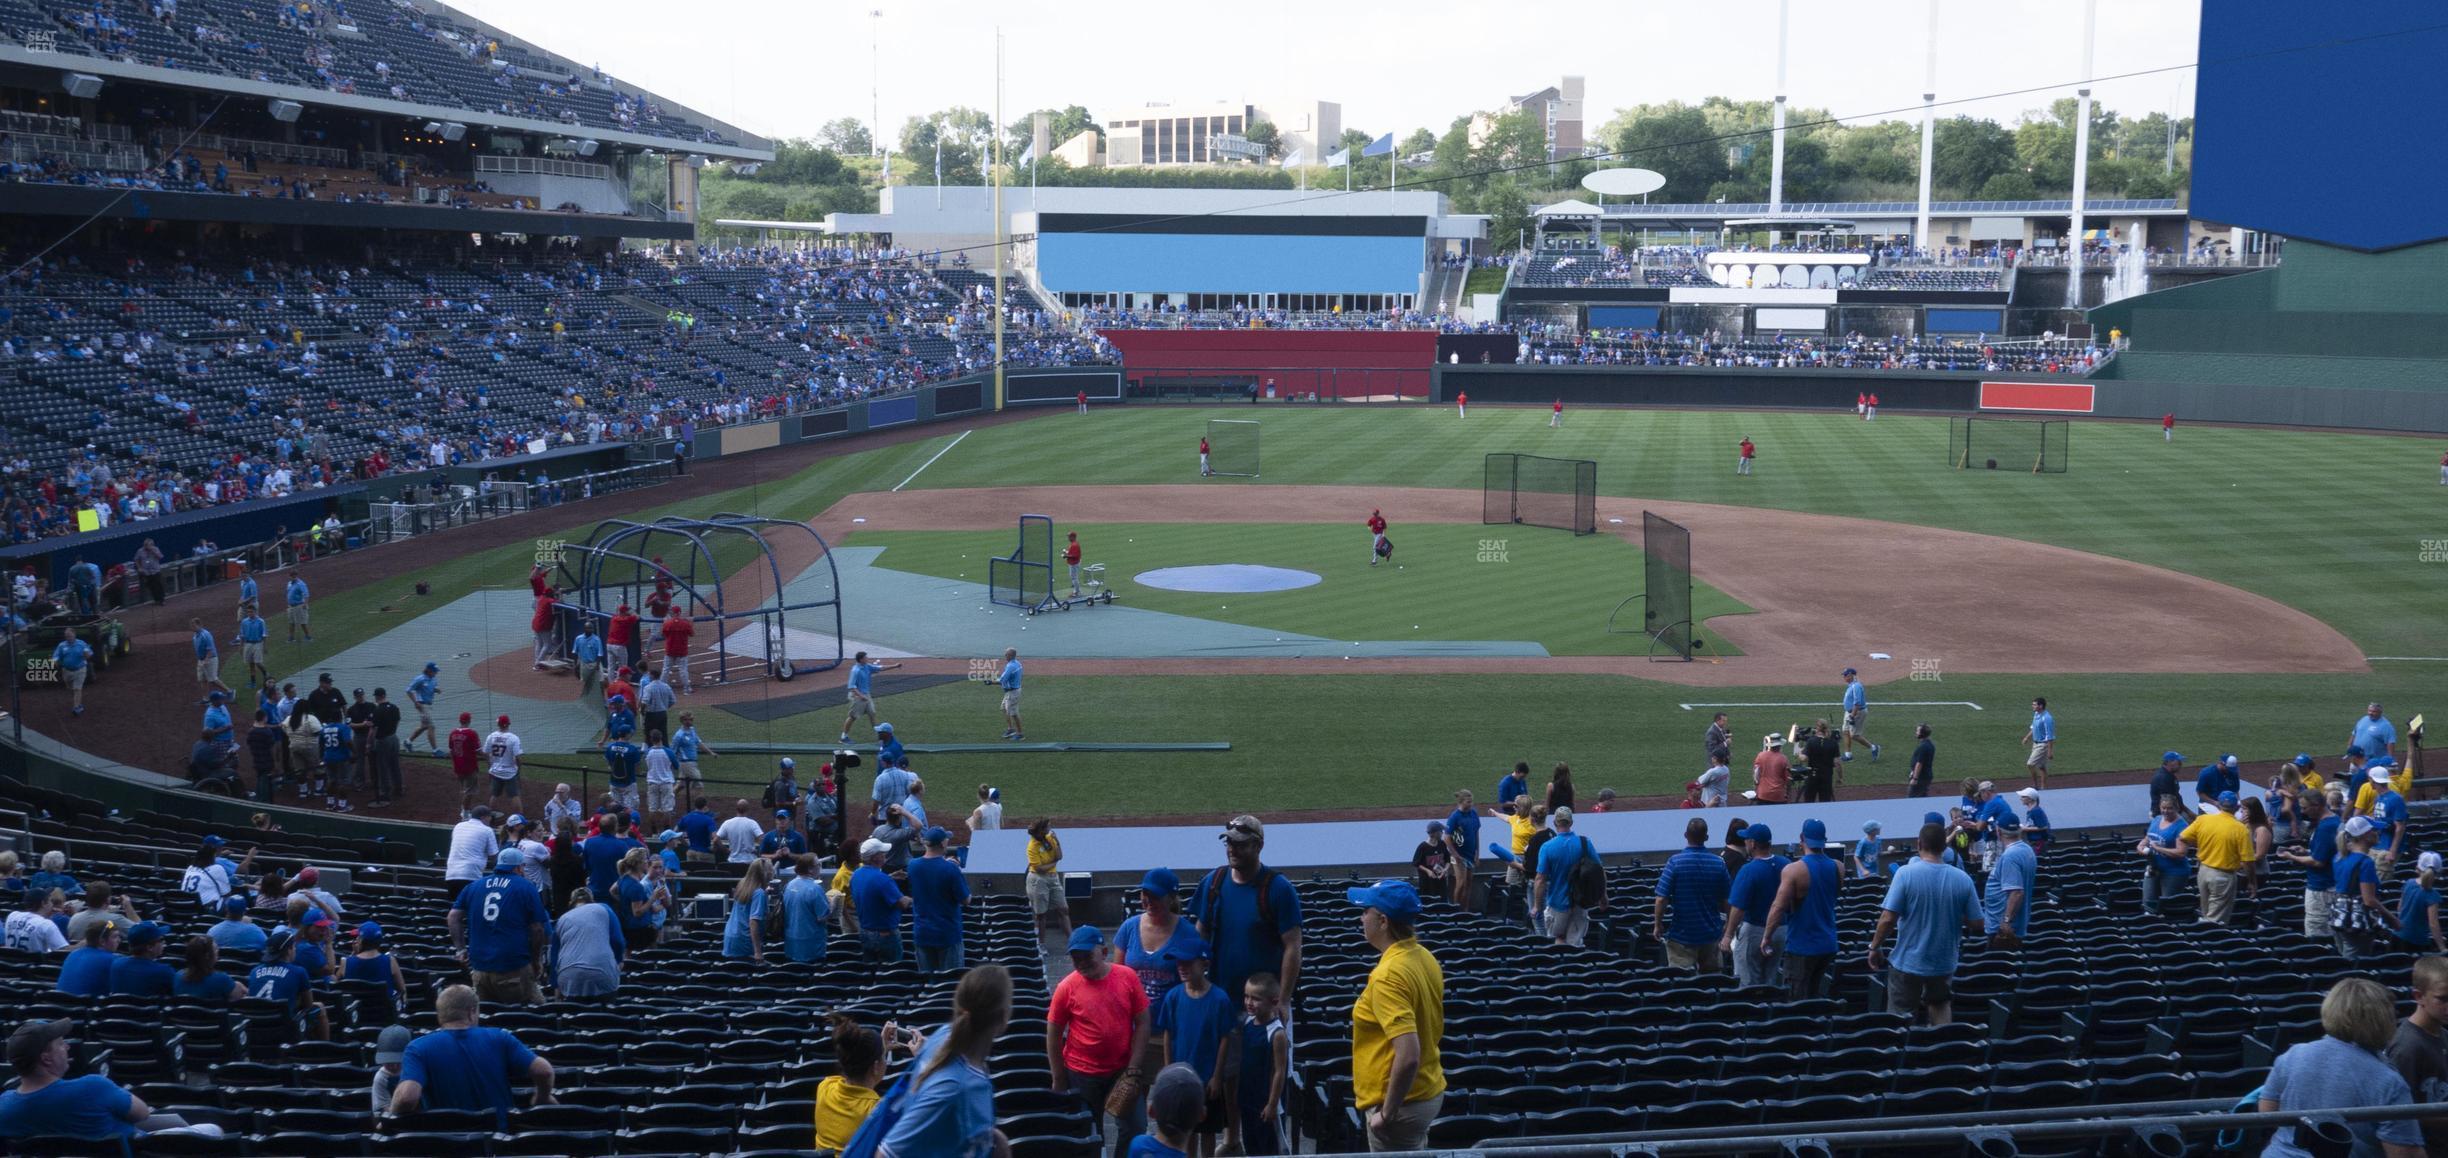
x,y
1820,754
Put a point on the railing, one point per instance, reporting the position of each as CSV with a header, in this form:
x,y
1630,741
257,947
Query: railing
x,y
549,166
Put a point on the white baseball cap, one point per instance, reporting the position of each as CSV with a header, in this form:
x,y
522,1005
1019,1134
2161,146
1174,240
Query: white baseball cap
x,y
2029,794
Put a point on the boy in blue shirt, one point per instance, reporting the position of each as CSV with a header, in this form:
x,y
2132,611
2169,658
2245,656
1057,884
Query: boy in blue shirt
x,y
1266,1065
279,978
1175,1102
622,757
337,741
1195,1021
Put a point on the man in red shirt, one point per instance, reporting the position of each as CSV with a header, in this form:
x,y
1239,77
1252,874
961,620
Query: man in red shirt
x,y
1461,405
1203,470
535,580
1083,402
2167,427
1861,404
1071,557
1096,1024
1376,526
1772,772
1870,413
621,636
1742,465
546,608
1556,419
676,632
465,745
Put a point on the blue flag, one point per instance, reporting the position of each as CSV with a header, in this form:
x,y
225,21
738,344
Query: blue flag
x,y
1379,147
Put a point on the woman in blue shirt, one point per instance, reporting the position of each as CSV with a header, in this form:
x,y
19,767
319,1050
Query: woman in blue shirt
x,y
744,929
372,963
202,979
2165,871
1158,920
805,911
949,1109
2418,908
2357,918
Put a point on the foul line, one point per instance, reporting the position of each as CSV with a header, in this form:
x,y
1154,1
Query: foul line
x,y
930,462
1825,704
2411,658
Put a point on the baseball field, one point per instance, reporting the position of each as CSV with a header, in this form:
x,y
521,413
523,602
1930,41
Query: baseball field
x,y
2226,592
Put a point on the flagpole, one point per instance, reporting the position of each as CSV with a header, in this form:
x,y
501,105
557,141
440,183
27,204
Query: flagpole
x,y
998,217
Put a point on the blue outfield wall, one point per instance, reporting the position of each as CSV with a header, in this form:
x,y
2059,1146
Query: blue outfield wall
x,y
1245,263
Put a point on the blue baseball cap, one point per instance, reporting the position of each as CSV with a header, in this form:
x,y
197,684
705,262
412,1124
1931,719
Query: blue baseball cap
x,y
432,668
884,728
234,906
1186,945
1395,899
2382,761
2009,824
936,835
1758,832
510,858
1087,939
370,933
2303,759
214,840
1814,834
2354,751
1161,881
1932,818
1850,671
2227,798
2164,757
146,932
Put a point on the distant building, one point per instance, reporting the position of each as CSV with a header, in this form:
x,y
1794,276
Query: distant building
x,y
1178,134
1558,107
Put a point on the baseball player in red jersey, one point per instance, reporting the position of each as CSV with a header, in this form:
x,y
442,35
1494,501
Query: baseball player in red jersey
x,y
1870,413
1742,465
1083,402
2444,470
1461,405
1071,556
1556,419
464,747
2167,427
1203,458
1376,526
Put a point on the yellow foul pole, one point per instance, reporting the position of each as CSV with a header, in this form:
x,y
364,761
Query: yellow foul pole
x,y
997,126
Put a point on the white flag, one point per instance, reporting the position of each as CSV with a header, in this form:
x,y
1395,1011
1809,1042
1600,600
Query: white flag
x,y
1029,155
1292,159
1338,158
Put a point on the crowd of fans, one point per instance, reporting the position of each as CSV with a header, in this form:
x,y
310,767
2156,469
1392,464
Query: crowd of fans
x,y
1177,1025
1562,346
153,384
1252,318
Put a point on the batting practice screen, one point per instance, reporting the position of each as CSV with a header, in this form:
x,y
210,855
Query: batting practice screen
x,y
2032,446
1541,492
1232,446
1025,578
1666,573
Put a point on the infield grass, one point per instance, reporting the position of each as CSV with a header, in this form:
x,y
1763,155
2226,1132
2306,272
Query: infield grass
x,y
1446,582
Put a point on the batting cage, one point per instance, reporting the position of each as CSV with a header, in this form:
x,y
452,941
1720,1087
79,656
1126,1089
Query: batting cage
x,y
762,595
1232,446
2029,445
1025,578
1666,573
1541,492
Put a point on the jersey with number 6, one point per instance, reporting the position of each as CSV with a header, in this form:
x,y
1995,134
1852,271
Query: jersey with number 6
x,y
497,911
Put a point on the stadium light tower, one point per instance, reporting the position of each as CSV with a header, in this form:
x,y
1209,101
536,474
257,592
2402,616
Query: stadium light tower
x,y
2082,158
1929,131
1776,129
875,81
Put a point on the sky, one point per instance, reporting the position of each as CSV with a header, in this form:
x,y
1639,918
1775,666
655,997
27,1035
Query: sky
x,y
782,69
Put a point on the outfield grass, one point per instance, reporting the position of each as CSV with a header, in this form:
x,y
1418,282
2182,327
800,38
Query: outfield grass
x,y
2330,523
1447,583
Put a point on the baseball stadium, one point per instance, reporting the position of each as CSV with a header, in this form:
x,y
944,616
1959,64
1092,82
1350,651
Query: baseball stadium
x,y
1307,594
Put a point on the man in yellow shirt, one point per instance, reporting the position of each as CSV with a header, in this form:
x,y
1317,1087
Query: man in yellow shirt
x,y
2221,845
1398,1025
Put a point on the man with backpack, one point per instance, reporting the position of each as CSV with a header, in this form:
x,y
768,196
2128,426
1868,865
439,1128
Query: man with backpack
x,y
1248,913
1571,881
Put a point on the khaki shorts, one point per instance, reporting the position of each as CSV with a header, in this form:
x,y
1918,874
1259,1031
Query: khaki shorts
x,y
1045,893
2039,757
517,988
252,653
1011,702
1910,993
688,771
1853,723
208,669
861,705
659,797
76,676
624,795
1709,958
425,715
298,616
2316,913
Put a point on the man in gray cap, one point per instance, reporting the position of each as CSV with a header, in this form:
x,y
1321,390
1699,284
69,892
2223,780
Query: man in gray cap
x,y
388,1049
1248,913
47,1103
1175,1104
